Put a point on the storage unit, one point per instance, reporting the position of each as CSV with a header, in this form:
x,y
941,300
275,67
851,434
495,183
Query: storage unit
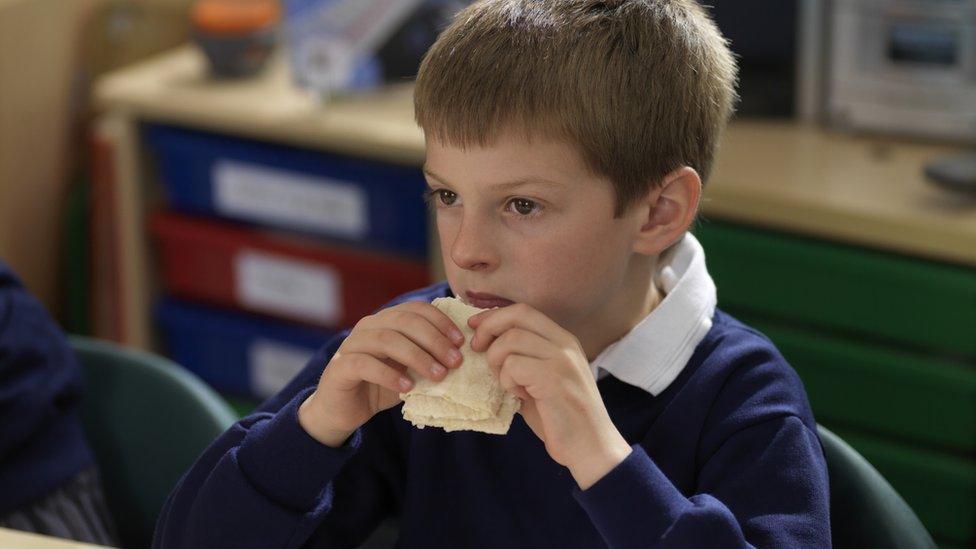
x,y
874,295
886,348
362,202
238,354
269,249
278,274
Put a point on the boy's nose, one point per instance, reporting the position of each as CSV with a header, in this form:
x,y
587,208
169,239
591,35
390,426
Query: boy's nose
x,y
472,249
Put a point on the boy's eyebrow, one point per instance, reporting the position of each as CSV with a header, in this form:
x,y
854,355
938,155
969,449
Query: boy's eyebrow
x,y
506,185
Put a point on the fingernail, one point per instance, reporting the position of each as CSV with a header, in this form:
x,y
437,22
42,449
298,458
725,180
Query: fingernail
x,y
437,369
457,336
405,383
453,356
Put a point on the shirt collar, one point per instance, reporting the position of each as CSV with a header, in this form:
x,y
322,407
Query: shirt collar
x,y
652,354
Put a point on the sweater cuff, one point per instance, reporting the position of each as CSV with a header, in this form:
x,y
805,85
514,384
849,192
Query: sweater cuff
x,y
286,464
634,499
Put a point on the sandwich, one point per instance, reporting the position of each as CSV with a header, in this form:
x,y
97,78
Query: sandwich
x,y
470,397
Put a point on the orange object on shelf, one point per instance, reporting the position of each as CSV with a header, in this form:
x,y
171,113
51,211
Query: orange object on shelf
x,y
234,16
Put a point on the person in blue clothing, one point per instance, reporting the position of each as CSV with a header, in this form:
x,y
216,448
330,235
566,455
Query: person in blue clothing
x,y
567,144
49,483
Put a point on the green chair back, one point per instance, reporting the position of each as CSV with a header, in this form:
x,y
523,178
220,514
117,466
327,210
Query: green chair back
x,y
147,420
865,511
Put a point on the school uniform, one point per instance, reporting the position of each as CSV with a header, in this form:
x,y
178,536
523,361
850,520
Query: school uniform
x,y
724,454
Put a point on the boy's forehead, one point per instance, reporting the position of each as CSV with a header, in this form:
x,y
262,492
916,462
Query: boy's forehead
x,y
505,162
506,184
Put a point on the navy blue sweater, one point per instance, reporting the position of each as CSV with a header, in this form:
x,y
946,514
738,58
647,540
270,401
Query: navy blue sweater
x,y
41,441
726,456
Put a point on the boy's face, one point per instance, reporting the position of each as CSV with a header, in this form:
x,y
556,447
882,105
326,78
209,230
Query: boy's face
x,y
552,244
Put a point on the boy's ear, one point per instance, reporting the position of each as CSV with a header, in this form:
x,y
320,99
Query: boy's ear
x,y
667,211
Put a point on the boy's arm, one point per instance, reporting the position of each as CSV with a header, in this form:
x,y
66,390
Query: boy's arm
x,y
765,488
267,483
762,482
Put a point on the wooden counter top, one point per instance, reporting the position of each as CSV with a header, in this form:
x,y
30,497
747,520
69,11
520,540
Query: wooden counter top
x,y
859,190
175,88
13,539
865,191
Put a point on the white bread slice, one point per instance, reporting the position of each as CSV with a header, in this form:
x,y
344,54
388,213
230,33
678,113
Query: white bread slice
x,y
470,397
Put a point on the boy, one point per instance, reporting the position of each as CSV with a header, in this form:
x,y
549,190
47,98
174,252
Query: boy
x,y
567,141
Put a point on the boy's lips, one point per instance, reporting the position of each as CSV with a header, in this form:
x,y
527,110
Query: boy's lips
x,y
486,301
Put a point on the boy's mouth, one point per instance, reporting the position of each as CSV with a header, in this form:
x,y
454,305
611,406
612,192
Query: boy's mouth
x,y
486,301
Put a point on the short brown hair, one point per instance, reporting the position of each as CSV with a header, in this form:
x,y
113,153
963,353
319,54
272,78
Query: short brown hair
x,y
640,87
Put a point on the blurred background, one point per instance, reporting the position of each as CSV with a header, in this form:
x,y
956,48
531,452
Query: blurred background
x,y
228,183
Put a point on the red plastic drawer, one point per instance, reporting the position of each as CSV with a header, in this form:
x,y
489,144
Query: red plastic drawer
x,y
280,275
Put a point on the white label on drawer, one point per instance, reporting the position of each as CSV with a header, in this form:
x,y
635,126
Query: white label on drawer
x,y
285,286
273,365
290,199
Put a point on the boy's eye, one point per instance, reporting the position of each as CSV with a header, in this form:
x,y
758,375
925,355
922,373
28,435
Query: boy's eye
x,y
445,196
524,206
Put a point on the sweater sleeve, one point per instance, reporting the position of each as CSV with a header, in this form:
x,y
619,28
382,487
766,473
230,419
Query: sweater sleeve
x,y
765,488
760,473
266,483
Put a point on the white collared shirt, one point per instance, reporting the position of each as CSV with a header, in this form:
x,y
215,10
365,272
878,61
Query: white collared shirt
x,y
653,353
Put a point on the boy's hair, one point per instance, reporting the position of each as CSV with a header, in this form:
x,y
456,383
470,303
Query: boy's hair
x,y
639,87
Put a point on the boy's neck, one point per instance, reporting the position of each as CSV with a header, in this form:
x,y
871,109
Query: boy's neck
x,y
637,297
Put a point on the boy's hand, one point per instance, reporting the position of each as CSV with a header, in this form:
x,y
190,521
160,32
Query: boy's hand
x,y
545,366
367,372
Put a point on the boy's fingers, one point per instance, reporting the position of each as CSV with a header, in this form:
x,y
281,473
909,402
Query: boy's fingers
x,y
395,365
497,321
518,371
385,343
516,341
425,334
422,332
436,317
372,370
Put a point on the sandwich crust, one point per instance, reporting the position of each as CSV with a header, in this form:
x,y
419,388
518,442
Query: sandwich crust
x,y
470,397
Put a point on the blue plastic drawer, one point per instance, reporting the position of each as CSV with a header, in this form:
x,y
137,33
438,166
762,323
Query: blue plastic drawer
x,y
366,203
234,352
